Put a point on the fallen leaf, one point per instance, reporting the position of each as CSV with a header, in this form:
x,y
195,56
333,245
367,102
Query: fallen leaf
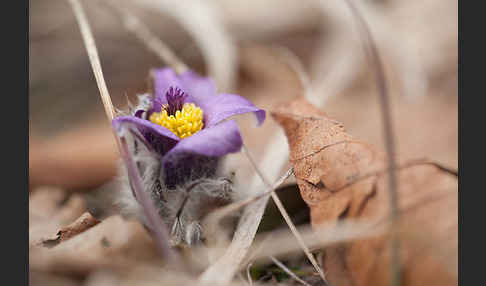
x,y
84,222
340,178
48,213
114,243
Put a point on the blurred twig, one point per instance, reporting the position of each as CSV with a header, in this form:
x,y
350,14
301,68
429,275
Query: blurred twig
x,y
147,37
94,59
202,20
288,271
375,59
224,268
286,217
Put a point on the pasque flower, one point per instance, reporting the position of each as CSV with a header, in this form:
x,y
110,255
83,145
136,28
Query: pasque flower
x,y
184,120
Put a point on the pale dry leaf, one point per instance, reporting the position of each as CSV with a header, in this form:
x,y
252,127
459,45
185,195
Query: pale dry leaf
x,y
48,213
343,178
84,222
114,243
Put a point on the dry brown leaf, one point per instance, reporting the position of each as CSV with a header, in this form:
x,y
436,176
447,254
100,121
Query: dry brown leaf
x,y
47,213
84,222
342,178
114,243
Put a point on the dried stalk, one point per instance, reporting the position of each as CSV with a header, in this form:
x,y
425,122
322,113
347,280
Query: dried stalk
x,y
275,157
203,21
147,37
222,271
215,216
286,216
375,59
94,59
248,276
288,271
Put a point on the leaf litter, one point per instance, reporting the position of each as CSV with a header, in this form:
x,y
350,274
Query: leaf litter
x,y
342,178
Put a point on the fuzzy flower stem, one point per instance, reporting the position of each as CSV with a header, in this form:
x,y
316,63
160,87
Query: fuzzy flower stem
x,y
157,225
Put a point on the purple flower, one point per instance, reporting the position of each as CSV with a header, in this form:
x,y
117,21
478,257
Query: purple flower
x,y
183,120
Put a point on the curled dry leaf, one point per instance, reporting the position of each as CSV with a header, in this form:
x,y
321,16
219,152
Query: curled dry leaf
x,y
48,213
342,178
114,243
81,224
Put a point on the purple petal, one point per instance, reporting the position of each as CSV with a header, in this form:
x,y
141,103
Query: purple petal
x,y
214,141
163,79
197,86
219,107
159,137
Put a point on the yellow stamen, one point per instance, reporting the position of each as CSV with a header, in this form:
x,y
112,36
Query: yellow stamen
x,y
185,123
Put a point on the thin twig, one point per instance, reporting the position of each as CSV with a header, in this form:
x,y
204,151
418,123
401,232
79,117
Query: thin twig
x,y
203,21
213,218
409,164
94,59
288,271
147,37
250,281
224,268
275,157
296,64
286,216
374,57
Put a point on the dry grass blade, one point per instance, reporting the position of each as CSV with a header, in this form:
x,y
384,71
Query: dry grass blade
x,y
94,59
212,220
222,271
226,266
202,20
286,216
296,64
283,243
248,275
275,156
288,271
375,60
149,39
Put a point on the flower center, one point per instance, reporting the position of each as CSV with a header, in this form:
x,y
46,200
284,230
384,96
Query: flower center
x,y
183,119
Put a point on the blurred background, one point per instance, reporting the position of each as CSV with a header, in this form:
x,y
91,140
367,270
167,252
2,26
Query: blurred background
x,y
239,44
